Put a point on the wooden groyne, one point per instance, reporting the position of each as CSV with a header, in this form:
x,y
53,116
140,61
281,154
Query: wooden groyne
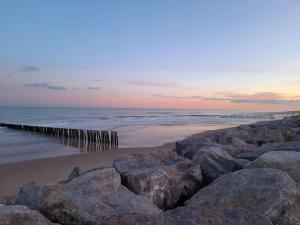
x,y
85,139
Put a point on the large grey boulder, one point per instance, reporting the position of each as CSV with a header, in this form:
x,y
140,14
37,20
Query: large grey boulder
x,y
211,215
288,161
96,197
21,215
254,154
271,192
214,162
166,178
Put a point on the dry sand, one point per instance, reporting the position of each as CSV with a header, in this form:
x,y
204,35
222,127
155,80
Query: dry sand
x,y
44,171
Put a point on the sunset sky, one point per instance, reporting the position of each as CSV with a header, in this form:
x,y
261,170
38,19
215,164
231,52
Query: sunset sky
x,y
178,54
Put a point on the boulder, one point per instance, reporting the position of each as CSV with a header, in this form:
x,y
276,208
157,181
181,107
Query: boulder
x,y
234,140
96,197
212,215
242,162
29,195
271,192
21,215
254,154
76,172
214,162
287,161
166,178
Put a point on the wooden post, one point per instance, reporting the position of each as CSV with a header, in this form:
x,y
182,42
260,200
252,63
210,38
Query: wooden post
x,y
90,139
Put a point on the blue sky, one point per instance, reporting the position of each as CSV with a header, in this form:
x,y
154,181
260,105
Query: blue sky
x,y
128,53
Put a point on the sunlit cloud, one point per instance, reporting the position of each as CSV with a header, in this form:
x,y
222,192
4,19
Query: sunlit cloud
x,y
177,97
216,99
259,95
46,85
268,101
258,98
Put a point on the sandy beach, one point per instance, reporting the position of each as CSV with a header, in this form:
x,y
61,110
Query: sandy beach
x,y
44,171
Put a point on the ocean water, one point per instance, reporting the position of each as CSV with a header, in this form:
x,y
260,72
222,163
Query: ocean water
x,y
135,127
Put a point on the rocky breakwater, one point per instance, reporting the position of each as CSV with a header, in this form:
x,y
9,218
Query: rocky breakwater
x,y
165,177
248,175
21,215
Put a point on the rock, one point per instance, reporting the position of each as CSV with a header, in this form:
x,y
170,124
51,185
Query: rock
x,y
236,140
96,197
29,195
214,162
211,215
254,154
242,162
76,172
287,161
270,192
164,177
293,121
21,215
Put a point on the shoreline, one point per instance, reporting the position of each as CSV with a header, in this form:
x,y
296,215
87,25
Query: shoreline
x,y
255,163
14,175
50,170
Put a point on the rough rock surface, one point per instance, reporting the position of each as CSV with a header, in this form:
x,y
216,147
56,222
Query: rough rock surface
x,y
208,215
214,162
254,154
96,197
270,192
234,140
242,162
287,161
21,215
165,177
29,195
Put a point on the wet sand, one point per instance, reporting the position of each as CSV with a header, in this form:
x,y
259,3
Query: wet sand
x,y
44,171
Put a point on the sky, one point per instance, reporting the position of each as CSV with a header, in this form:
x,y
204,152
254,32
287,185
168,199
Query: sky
x,y
160,54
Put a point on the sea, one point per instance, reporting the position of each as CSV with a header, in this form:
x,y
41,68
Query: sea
x,y
135,127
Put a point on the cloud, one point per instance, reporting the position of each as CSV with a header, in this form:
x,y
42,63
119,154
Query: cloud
x,y
90,96
30,69
267,101
259,95
258,98
151,84
177,97
216,99
57,87
99,80
92,88
46,85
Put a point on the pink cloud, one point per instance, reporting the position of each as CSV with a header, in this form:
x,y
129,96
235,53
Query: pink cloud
x,y
177,97
258,96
